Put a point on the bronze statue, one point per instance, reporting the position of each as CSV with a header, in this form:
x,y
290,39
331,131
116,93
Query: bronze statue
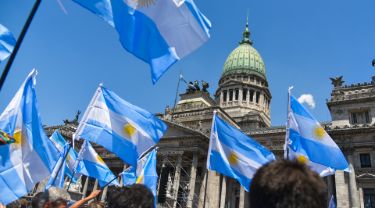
x,y
196,85
337,81
205,86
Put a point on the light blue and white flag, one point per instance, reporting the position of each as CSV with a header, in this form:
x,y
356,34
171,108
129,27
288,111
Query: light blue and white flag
x,y
234,154
145,173
58,174
129,176
157,32
310,144
122,128
92,165
7,43
71,158
32,156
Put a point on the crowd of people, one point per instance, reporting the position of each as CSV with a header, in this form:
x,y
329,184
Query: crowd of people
x,y
278,184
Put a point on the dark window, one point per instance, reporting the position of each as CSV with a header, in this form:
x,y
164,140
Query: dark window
x,y
230,95
225,96
257,97
251,95
369,197
244,94
237,93
360,117
367,117
365,160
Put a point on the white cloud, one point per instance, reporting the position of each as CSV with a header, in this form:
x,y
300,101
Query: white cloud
x,y
308,99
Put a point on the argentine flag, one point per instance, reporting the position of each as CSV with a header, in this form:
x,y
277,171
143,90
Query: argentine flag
x,y
234,154
159,32
7,42
145,173
92,165
309,143
71,158
122,128
58,174
32,156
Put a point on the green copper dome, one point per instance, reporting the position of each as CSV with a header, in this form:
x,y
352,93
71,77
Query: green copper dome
x,y
245,59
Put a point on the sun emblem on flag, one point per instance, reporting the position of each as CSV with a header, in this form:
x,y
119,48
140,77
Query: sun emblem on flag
x,y
99,159
129,130
302,159
233,158
140,179
319,132
5,138
17,136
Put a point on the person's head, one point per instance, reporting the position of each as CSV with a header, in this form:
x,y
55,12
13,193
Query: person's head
x,y
39,200
289,184
58,203
95,204
134,196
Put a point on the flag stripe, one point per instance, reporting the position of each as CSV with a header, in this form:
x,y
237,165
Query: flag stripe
x,y
318,152
96,132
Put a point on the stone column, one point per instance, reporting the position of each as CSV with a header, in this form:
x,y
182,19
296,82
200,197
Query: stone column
x,y
354,197
362,203
240,96
176,180
242,197
193,174
223,193
84,191
161,172
202,190
213,190
94,189
104,194
342,192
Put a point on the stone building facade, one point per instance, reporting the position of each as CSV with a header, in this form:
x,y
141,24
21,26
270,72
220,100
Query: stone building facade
x,y
243,99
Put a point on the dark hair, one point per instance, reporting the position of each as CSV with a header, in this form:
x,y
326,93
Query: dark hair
x,y
287,184
58,202
95,204
134,196
39,200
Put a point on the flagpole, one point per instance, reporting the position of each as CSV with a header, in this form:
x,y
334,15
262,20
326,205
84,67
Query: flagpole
x,y
19,42
286,150
175,98
61,164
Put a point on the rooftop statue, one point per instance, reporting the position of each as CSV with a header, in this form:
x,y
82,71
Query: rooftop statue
x,y
337,81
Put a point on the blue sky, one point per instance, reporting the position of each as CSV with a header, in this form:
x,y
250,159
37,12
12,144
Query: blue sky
x,y
302,43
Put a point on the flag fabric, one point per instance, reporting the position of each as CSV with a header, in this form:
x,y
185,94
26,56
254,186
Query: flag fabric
x,y
122,128
310,144
32,156
92,165
145,173
234,154
58,173
71,158
332,203
157,32
129,176
7,43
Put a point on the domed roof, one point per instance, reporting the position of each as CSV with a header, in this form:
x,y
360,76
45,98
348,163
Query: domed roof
x,y
245,59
